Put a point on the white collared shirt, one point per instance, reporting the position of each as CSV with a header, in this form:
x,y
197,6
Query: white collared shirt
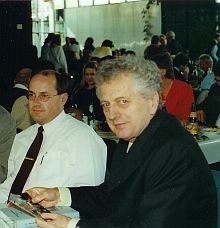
x,y
20,86
71,155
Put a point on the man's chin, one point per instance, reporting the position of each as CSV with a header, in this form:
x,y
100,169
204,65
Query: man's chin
x,y
122,135
37,119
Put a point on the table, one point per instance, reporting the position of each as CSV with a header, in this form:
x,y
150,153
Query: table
x,y
211,148
107,135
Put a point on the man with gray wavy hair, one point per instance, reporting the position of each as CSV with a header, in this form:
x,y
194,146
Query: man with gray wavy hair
x,y
159,177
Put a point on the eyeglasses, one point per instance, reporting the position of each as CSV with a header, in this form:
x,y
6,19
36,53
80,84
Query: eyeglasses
x,y
41,97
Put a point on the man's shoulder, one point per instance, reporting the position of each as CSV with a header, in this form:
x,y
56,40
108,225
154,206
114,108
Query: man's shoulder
x,y
21,100
182,85
5,117
69,123
26,132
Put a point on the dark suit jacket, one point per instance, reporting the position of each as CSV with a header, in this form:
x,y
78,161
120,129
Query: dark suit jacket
x,y
163,181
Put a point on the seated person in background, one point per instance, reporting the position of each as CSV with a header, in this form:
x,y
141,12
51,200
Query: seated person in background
x,y
208,78
20,111
71,154
153,49
89,44
177,96
74,47
20,88
86,58
72,63
130,52
210,107
213,48
104,50
173,45
86,99
163,44
54,53
180,67
159,177
7,134
21,114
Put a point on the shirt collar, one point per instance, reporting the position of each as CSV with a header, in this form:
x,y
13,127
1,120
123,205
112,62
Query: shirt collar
x,y
53,124
20,86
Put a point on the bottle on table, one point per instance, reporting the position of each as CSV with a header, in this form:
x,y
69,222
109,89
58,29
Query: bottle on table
x,y
193,120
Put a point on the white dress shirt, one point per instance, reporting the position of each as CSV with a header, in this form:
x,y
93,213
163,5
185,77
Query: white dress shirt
x,y
208,81
71,155
20,86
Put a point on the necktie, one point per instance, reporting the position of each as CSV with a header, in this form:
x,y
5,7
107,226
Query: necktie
x,y
27,164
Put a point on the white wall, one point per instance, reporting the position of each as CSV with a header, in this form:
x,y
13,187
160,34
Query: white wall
x,y
122,23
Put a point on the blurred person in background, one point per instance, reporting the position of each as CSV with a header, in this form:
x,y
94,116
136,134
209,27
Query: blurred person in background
x,y
85,98
177,96
208,78
209,109
89,44
174,46
153,49
180,67
20,88
7,134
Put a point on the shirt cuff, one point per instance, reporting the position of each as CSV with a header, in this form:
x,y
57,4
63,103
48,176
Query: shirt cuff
x,y
65,197
73,223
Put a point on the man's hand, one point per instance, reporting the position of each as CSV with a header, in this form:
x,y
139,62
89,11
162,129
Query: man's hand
x,y
46,197
52,221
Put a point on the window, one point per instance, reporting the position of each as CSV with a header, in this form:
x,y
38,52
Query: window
x,y
85,2
100,2
58,4
71,3
116,1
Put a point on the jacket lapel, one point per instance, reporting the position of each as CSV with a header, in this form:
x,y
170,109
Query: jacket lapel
x,y
124,164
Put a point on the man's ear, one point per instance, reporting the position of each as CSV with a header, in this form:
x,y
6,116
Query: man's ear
x,y
64,98
154,103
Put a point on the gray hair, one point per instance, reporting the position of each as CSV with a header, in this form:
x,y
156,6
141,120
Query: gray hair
x,y
205,58
144,72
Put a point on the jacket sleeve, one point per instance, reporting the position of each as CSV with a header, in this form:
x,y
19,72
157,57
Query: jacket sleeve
x,y
89,200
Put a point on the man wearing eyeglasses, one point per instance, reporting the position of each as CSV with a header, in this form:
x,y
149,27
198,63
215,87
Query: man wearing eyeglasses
x,y
71,153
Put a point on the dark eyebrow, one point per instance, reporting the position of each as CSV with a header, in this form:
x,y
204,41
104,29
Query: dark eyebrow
x,y
42,93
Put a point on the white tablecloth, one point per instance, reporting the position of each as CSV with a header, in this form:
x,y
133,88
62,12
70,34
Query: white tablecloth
x,y
211,148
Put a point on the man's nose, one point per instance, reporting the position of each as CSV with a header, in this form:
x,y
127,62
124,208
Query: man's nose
x,y
113,112
36,99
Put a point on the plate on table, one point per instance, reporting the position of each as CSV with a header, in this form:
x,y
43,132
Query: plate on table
x,y
210,130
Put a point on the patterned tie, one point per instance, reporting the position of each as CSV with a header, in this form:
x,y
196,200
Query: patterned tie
x,y
27,164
